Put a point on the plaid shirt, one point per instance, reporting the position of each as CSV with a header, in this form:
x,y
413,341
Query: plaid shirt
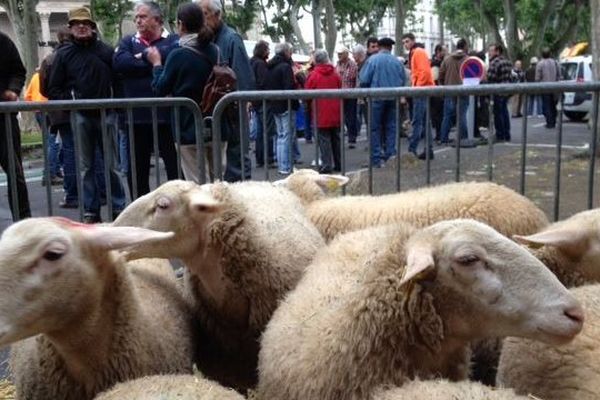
x,y
500,70
348,71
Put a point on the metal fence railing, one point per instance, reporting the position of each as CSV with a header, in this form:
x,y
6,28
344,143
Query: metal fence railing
x,y
105,107
395,94
220,118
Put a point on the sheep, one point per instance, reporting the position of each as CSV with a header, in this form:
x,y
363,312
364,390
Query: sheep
x,y
245,246
80,318
180,387
500,207
567,373
445,390
388,304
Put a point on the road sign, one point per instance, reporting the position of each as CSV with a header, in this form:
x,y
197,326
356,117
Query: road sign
x,y
472,71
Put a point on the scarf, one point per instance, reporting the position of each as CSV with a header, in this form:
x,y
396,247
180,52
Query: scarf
x,y
188,40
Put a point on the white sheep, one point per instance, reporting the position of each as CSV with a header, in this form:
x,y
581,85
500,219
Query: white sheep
x,y
80,318
445,390
388,304
245,246
570,372
163,387
498,206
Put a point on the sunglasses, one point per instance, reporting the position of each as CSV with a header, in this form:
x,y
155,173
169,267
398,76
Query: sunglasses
x,y
81,23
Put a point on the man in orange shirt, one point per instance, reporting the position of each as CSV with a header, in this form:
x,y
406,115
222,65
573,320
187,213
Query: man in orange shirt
x,y
421,75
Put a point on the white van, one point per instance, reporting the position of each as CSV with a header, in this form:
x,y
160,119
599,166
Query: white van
x,y
577,69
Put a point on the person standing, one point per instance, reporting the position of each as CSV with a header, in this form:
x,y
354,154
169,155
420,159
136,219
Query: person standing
x,y
548,70
518,76
258,62
421,76
372,46
12,79
130,62
500,71
359,53
534,102
348,70
450,75
383,70
437,102
233,53
328,124
82,69
280,76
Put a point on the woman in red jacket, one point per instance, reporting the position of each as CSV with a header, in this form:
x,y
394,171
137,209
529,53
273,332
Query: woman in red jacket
x,y
324,76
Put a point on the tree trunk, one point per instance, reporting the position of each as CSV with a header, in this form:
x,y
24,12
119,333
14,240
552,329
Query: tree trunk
x,y
23,15
331,28
316,15
438,7
294,11
399,29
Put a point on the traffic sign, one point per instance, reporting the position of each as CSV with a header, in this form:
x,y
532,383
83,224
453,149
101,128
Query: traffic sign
x,y
472,71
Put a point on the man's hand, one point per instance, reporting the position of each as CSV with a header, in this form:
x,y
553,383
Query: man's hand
x,y
153,56
9,95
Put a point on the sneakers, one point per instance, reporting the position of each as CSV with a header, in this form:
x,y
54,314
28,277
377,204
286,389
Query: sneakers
x,y
423,156
65,204
54,181
91,218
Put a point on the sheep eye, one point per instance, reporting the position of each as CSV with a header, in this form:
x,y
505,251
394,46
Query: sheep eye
x,y
467,260
163,203
52,255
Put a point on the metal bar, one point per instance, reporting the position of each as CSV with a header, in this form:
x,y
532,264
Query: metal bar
x,y
292,134
342,142
47,172
315,129
265,136
593,149
428,145
132,158
155,143
491,139
176,118
78,151
398,128
12,167
370,147
559,138
241,111
200,145
523,149
107,161
458,138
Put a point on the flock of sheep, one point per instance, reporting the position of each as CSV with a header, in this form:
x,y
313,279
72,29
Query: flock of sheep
x,y
289,293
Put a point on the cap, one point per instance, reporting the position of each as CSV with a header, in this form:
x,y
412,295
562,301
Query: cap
x,y
386,41
81,14
342,49
533,60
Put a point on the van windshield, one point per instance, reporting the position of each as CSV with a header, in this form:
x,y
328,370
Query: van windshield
x,y
569,71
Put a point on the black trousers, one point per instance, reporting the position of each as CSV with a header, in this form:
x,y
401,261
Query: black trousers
x,y
144,145
5,154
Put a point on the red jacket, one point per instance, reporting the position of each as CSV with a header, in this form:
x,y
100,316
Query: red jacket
x,y
324,76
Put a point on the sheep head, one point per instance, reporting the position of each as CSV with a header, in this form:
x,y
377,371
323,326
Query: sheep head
x,y
50,269
182,207
309,185
577,239
500,289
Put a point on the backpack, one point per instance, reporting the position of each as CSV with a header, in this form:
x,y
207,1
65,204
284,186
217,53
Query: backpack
x,y
222,80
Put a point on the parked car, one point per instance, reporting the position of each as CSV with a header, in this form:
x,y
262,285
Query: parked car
x,y
577,69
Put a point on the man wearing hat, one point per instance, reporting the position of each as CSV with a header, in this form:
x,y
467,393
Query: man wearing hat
x,y
383,70
82,69
348,70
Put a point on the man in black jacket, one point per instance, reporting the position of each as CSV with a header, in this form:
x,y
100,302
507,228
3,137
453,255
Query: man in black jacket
x,y
82,69
12,78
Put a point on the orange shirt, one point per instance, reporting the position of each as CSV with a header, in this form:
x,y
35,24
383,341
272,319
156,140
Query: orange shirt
x,y
420,68
33,90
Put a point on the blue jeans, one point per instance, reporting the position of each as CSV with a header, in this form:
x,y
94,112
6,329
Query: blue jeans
x,y
53,148
383,117
501,118
88,128
418,123
285,134
308,128
124,154
260,151
534,105
450,117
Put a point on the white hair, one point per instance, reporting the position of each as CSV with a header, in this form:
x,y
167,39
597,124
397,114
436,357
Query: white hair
x,y
213,5
359,49
281,48
321,56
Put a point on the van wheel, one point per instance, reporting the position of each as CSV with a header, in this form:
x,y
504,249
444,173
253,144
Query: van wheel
x,y
576,116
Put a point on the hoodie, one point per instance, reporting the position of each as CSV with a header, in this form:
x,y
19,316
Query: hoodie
x,y
450,68
324,76
280,76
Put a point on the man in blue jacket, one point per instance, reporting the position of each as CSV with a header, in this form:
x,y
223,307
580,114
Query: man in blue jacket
x,y
233,53
135,73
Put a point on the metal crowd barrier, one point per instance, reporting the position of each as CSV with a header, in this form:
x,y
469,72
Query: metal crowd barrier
x,y
395,94
105,106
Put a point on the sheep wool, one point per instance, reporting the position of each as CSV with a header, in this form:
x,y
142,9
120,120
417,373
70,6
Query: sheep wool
x,y
570,372
445,390
88,318
176,387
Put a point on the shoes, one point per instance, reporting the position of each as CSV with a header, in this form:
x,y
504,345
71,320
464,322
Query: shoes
x,y
64,204
325,170
284,173
54,181
309,141
352,146
298,162
517,116
91,218
375,165
423,156
260,165
550,126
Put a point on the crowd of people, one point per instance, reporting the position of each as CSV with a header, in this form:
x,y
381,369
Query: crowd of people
x,y
156,63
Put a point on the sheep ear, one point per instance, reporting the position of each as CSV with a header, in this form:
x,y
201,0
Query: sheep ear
x,y
419,259
331,182
117,237
201,202
572,241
